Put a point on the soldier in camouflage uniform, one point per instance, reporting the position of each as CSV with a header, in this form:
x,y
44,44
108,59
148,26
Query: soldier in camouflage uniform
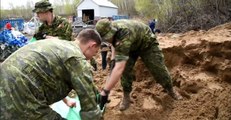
x,y
132,39
53,25
57,26
44,72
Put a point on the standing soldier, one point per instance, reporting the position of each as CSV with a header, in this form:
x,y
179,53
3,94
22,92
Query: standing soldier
x,y
53,25
132,39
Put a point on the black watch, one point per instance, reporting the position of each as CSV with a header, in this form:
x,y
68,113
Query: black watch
x,y
106,91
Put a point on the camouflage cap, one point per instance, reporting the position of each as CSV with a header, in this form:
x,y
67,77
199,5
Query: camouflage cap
x,y
105,29
42,6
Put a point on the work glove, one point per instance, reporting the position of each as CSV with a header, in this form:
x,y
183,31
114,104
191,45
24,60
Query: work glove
x,y
103,101
40,35
95,67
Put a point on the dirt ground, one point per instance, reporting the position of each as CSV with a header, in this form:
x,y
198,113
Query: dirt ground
x,y
200,67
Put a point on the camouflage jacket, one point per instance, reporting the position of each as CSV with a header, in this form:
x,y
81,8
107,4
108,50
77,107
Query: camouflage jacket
x,y
60,28
132,36
40,74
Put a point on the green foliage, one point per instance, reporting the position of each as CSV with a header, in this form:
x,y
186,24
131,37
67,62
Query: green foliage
x,y
183,15
125,7
172,15
146,7
66,7
18,11
61,7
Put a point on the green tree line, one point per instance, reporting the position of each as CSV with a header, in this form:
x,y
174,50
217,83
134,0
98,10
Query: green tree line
x,y
178,15
61,7
172,15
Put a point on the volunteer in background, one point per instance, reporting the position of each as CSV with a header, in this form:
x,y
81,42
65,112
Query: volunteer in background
x,y
8,26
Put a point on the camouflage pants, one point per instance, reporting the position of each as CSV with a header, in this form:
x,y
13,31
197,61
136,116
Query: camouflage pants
x,y
154,61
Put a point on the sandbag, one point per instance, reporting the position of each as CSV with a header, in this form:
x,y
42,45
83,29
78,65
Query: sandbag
x,y
67,112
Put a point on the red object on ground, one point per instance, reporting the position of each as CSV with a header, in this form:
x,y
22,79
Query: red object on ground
x,y
8,26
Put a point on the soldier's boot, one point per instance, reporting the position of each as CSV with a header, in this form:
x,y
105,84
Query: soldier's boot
x,y
174,94
125,102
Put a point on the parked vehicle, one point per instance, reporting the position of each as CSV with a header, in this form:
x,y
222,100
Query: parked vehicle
x,y
79,25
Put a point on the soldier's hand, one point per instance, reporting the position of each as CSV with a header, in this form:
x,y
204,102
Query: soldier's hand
x,y
69,103
51,37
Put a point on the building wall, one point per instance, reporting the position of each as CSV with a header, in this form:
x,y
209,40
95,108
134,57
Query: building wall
x,y
85,5
107,12
99,11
